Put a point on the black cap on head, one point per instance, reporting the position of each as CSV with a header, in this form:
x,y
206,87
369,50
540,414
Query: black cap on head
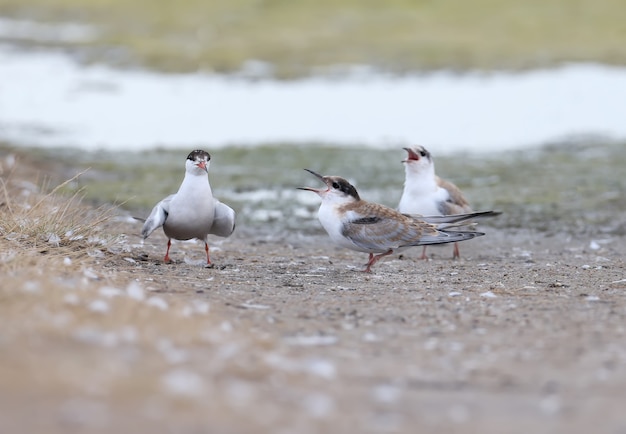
x,y
199,153
344,186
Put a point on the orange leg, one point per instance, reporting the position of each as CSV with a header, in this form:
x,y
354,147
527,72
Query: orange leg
x,y
167,254
424,253
206,248
455,252
374,259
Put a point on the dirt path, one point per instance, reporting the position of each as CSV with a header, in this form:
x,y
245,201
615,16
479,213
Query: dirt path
x,y
525,333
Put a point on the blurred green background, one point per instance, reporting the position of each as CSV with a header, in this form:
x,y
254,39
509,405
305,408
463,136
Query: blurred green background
x,y
297,38
562,189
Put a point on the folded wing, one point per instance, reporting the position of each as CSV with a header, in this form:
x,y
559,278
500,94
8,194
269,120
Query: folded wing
x,y
379,234
157,217
223,220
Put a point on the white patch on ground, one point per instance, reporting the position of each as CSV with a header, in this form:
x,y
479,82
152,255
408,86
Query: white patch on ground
x,y
386,394
158,302
99,306
71,299
135,291
310,341
183,382
171,354
318,405
110,292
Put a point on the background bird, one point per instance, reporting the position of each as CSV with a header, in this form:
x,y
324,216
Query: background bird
x,y
425,193
192,212
376,229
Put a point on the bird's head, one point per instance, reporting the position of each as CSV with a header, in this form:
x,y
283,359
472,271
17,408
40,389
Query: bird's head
x,y
337,189
418,159
198,162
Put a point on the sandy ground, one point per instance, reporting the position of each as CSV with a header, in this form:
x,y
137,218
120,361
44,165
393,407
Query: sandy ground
x,y
524,333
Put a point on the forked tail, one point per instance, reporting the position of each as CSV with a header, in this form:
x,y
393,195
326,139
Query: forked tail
x,y
452,220
445,236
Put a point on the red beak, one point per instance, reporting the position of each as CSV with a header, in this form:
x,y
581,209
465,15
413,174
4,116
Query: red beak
x,y
413,156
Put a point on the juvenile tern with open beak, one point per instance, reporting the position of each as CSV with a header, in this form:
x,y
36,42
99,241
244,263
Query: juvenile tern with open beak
x,y
376,229
192,212
427,194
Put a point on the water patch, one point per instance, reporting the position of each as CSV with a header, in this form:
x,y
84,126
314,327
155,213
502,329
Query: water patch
x,y
47,99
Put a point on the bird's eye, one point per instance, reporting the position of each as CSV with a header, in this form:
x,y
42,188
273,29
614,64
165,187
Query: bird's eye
x,y
423,153
336,185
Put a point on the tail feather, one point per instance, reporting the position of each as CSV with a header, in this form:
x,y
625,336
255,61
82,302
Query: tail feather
x,y
445,236
452,220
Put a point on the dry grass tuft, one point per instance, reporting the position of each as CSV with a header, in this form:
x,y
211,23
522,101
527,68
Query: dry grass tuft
x,y
32,219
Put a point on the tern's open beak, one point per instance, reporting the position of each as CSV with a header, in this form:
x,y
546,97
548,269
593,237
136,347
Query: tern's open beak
x,y
413,156
202,165
316,174
314,190
318,191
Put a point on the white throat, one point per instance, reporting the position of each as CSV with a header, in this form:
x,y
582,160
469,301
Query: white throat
x,y
421,193
196,181
420,180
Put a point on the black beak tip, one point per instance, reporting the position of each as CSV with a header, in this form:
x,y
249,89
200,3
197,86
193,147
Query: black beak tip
x,y
314,173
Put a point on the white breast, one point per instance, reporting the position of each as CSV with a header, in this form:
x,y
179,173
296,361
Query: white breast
x,y
333,224
191,210
424,204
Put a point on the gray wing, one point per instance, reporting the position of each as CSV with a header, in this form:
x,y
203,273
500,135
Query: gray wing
x,y
157,217
445,236
456,202
379,233
223,220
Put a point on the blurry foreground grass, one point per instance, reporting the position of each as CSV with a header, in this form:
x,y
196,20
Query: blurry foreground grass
x,y
298,38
